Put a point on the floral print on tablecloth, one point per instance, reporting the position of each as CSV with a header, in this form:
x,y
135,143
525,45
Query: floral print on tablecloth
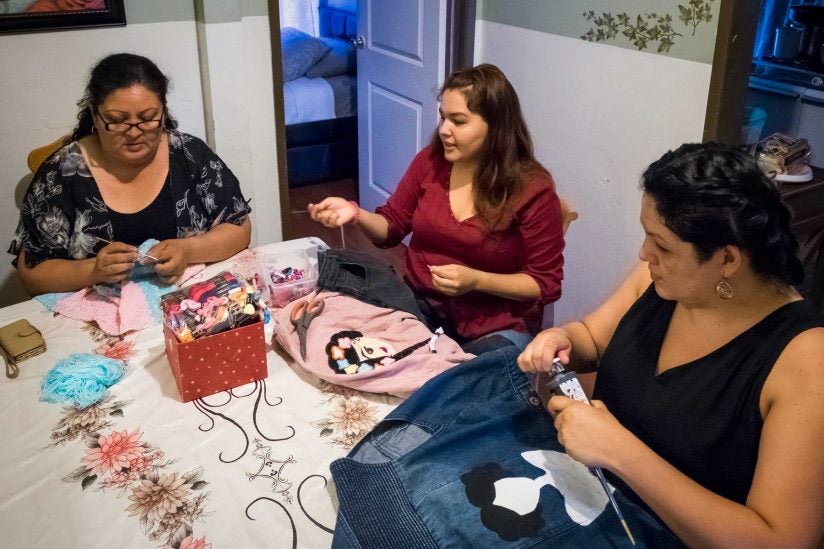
x,y
349,416
167,503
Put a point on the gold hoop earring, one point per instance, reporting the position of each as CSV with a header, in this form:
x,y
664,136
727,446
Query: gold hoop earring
x,y
724,289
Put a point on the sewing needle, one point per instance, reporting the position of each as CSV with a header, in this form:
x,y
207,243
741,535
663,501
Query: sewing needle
x,y
153,258
342,236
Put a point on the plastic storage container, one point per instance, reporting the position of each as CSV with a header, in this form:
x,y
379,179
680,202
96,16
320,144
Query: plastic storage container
x,y
289,275
754,120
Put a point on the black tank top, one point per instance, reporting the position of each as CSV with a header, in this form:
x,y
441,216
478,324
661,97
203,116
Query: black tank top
x,y
702,417
157,220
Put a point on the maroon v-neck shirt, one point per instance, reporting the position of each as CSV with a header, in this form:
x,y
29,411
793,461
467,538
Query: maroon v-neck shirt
x,y
533,244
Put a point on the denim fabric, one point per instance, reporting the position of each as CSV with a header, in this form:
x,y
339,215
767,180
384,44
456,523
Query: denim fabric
x,y
363,277
432,473
519,339
478,346
486,344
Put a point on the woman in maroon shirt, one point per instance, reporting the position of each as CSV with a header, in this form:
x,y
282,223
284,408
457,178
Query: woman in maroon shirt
x,y
487,230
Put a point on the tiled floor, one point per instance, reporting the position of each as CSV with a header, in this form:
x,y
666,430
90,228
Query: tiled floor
x,y
300,225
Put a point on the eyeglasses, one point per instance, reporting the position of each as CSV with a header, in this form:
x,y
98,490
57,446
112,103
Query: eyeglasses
x,y
123,127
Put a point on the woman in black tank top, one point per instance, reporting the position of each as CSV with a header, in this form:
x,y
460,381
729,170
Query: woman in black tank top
x,y
709,399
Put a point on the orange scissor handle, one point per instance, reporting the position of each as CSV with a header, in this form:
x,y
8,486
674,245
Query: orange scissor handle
x,y
306,310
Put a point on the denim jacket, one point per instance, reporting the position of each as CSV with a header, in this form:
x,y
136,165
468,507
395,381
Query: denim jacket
x,y
472,460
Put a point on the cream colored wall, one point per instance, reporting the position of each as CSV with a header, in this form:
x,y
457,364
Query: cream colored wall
x,y
599,115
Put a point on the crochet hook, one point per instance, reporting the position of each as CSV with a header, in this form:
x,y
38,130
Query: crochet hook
x,y
140,255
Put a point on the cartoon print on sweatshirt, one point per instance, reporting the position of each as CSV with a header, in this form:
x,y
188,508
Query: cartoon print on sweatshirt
x,y
510,505
350,352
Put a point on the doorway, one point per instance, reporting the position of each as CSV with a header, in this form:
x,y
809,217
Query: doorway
x,y
755,75
748,70
460,24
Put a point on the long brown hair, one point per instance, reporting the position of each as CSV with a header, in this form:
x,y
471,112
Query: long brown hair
x,y
507,155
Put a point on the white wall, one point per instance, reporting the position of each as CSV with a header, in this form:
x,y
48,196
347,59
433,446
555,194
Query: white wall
x,y
243,116
599,115
43,75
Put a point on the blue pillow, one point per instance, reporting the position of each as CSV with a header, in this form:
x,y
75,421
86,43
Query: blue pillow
x,y
340,60
300,51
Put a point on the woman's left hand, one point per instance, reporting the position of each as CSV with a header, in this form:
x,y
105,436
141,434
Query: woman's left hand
x,y
590,434
454,280
172,259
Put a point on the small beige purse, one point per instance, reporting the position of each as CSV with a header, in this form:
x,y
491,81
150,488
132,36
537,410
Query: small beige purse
x,y
19,341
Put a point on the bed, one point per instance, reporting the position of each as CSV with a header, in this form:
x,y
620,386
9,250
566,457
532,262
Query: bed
x,y
320,99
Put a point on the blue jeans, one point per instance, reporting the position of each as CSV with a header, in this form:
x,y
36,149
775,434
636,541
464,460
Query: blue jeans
x,y
497,340
367,279
472,460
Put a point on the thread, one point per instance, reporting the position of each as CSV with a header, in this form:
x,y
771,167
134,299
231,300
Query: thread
x,y
81,379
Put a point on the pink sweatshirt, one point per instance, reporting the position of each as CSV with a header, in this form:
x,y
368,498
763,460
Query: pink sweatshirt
x,y
367,348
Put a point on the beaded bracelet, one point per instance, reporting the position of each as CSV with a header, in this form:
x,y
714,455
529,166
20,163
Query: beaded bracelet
x,y
357,211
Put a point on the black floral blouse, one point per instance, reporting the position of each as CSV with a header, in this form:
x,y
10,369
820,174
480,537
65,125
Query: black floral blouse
x,y
63,210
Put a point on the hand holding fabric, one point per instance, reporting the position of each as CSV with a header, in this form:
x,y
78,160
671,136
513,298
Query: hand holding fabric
x,y
454,280
172,259
538,355
114,263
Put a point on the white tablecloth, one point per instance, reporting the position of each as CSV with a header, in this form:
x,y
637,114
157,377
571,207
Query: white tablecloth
x,y
244,468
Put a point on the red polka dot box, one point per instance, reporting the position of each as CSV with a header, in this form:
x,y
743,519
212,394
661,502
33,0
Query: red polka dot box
x,y
217,362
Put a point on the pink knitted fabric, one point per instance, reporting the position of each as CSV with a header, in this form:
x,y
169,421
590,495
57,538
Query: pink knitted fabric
x,y
116,315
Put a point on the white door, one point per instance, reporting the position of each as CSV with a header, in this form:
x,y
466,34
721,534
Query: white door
x,y
400,69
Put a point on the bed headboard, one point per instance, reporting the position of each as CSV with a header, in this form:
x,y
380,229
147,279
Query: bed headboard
x,y
338,18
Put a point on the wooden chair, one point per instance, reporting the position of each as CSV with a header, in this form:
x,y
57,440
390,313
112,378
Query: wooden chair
x,y
568,214
41,154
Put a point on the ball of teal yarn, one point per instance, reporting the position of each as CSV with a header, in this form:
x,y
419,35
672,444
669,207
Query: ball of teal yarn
x,y
81,379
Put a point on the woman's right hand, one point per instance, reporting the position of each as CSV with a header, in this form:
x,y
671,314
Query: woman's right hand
x,y
114,263
333,211
538,355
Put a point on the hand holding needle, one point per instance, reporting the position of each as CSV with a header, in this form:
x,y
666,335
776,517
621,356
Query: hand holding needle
x,y
342,235
140,255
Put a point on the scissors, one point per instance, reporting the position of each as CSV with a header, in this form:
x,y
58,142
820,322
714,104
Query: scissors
x,y
301,316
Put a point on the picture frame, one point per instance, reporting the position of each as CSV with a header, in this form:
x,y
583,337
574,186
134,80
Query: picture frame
x,y
23,16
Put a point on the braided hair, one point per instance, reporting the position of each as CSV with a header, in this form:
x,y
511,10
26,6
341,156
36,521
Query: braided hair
x,y
712,195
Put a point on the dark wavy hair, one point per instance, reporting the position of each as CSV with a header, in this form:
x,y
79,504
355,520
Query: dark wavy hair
x,y
507,156
712,195
115,72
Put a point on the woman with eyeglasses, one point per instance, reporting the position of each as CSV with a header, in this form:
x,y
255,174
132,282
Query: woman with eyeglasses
x,y
126,175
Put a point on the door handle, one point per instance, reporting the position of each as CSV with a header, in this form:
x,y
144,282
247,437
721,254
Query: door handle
x,y
359,42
